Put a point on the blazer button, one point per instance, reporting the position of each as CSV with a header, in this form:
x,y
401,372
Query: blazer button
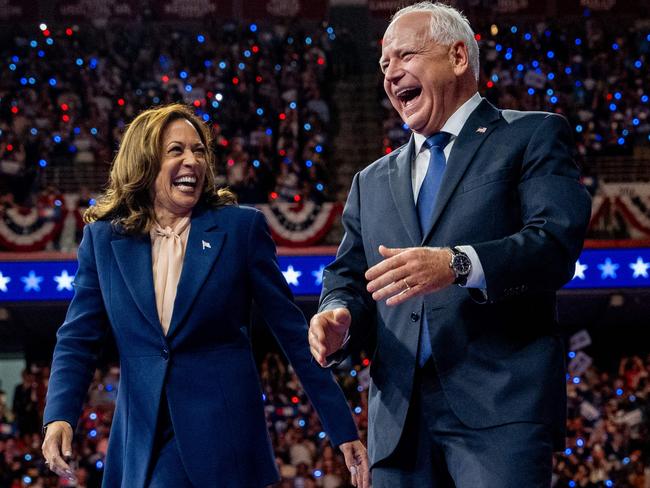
x,y
415,316
164,354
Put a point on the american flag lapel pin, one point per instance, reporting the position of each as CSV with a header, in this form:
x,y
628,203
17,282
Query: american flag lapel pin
x,y
205,245
481,130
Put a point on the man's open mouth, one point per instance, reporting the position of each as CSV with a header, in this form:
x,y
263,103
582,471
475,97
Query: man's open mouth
x,y
407,95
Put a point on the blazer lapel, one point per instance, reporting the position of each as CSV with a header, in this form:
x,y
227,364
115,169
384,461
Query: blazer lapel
x,y
133,256
401,188
476,130
203,247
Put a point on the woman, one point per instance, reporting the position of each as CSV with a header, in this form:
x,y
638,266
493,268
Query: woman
x,y
173,266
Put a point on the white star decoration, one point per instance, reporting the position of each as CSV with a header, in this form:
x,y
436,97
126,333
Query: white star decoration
x,y
32,282
64,281
608,269
3,282
640,268
580,270
291,275
318,274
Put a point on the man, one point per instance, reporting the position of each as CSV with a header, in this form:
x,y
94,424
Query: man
x,y
468,382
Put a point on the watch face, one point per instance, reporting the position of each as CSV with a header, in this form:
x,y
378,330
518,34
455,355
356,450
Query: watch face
x,y
462,264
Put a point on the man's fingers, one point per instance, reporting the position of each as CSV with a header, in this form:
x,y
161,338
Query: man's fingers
x,y
386,265
388,252
394,276
403,296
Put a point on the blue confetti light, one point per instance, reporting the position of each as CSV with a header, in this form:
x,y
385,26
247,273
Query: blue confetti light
x,y
183,75
498,48
320,187
33,131
256,163
318,148
205,117
222,65
513,29
572,354
638,64
535,64
41,53
42,163
551,76
247,54
619,391
621,141
576,380
318,473
568,451
260,111
309,163
23,81
49,41
636,121
93,416
547,33
269,132
353,373
12,67
358,410
32,80
553,99
93,131
92,433
28,457
626,132
207,63
109,387
572,484
495,78
79,62
307,127
289,40
644,98
188,88
301,423
253,27
15,58
330,30
322,435
92,63
578,130
549,92
99,464
200,38
308,41
57,138
550,54
508,56
520,67
278,67
33,44
618,95
578,41
215,104
568,70
92,202
292,105
626,460
27,480
52,82
241,66
580,442
612,107
531,91
76,130
528,36
609,483
578,83
615,46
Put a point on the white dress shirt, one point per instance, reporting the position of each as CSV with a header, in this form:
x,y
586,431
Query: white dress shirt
x,y
420,164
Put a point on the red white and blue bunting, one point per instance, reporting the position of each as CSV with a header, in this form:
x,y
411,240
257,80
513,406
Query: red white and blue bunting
x,y
621,211
300,224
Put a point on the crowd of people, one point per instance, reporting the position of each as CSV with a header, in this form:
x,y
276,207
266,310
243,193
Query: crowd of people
x,y
591,70
608,438
67,92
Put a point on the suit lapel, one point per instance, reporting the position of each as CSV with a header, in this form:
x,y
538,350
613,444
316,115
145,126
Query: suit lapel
x,y
476,130
133,256
401,188
203,247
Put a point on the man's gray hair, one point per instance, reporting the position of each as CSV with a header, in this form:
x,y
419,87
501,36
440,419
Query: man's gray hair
x,y
448,25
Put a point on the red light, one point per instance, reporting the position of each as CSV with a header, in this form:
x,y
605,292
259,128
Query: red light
x,y
235,81
321,61
274,195
66,118
258,78
255,49
10,147
295,399
388,150
224,142
231,162
283,116
609,97
210,94
197,103
46,33
165,78
490,84
14,110
68,32
120,102
477,37
64,106
365,362
282,152
296,198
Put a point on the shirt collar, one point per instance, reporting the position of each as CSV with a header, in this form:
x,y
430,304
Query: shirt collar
x,y
454,123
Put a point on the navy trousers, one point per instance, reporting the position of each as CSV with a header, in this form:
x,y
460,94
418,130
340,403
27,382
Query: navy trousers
x,y
437,451
166,469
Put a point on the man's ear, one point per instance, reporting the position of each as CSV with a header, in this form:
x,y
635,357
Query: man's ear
x,y
459,57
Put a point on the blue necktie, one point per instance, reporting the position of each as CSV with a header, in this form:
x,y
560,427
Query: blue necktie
x,y
425,205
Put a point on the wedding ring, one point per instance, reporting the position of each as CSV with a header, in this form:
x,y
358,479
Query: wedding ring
x,y
407,285
353,470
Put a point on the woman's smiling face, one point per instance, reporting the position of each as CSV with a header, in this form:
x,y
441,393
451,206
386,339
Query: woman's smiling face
x,y
180,181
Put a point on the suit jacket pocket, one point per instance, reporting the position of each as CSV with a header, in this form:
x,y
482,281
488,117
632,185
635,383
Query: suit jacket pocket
x,y
487,178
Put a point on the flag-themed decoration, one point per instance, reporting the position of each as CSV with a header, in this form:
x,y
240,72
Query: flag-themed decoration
x,y
53,280
621,211
300,224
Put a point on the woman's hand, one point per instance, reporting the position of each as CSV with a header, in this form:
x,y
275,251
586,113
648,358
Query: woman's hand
x,y
356,459
57,448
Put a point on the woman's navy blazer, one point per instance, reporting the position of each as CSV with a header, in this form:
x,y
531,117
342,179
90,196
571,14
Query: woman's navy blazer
x,y
204,365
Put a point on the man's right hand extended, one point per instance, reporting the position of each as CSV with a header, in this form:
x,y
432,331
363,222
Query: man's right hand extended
x,y
327,331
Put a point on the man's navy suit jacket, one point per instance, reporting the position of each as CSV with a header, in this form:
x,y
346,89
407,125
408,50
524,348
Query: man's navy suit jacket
x,y
204,365
512,191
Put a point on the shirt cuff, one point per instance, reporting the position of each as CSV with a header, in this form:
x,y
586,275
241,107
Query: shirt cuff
x,y
476,278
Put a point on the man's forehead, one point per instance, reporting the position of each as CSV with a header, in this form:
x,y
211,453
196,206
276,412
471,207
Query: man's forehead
x,y
413,26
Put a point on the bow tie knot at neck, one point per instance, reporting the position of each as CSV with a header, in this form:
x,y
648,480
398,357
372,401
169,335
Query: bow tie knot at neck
x,y
166,232
439,139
